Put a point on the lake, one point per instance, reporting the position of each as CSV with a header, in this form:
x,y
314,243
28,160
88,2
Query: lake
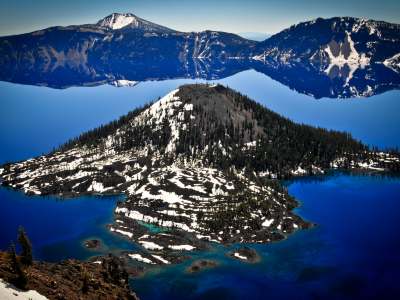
x,y
352,254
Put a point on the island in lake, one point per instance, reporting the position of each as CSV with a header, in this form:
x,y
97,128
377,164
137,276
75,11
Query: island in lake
x,y
199,167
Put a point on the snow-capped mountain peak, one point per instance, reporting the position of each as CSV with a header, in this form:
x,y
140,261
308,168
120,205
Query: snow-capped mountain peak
x,y
117,21
130,22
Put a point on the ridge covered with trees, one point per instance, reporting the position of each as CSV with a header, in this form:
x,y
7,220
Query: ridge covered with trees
x,y
234,120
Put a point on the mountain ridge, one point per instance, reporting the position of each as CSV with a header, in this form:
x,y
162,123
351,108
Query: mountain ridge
x,y
331,40
335,40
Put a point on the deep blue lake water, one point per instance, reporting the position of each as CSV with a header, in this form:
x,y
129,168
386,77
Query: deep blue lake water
x,y
354,253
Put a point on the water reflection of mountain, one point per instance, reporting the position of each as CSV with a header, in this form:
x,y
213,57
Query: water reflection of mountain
x,y
335,80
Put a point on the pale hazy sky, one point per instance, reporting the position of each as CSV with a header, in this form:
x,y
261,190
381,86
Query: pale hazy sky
x,y
21,16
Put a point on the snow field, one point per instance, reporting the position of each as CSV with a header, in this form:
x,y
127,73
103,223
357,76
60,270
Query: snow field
x,y
10,292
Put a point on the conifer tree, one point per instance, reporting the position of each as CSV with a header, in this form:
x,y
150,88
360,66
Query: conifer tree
x,y
13,257
26,252
85,280
17,266
100,295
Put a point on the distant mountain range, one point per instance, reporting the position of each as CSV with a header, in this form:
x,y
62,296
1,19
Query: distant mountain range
x,y
125,36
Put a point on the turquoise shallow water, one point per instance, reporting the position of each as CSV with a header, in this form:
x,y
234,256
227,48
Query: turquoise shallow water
x,y
352,254
153,228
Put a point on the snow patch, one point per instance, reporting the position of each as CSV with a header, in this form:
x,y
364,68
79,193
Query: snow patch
x,y
124,232
182,247
241,257
138,257
268,223
161,259
150,245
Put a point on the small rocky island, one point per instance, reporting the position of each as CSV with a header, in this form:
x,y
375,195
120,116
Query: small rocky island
x,y
245,254
198,167
200,265
92,244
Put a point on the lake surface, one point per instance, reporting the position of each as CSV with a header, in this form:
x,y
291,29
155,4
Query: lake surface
x,y
352,254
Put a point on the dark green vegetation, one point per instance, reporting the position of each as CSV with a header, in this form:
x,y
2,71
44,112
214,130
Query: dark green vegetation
x,y
93,138
26,251
85,281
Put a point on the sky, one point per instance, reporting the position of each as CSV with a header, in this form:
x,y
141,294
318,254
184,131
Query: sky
x,y
264,16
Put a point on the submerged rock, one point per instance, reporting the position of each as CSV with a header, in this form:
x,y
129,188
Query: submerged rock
x,y
202,264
